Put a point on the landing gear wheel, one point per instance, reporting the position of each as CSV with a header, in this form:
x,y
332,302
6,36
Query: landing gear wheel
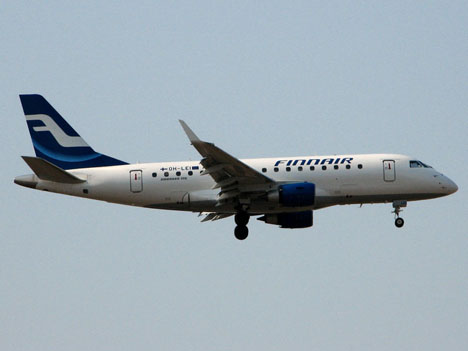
x,y
399,222
242,218
241,232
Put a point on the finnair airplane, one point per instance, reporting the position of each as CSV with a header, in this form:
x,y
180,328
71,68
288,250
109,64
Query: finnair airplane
x,y
282,191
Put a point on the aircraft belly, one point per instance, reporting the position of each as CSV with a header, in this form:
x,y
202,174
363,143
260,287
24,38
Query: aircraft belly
x,y
374,198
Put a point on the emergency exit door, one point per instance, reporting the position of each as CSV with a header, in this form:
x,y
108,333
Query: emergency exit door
x,y
136,181
389,170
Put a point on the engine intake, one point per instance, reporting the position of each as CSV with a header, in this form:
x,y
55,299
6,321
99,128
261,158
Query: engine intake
x,y
294,195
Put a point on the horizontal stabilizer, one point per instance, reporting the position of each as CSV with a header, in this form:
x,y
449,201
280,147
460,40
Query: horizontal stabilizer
x,y
47,171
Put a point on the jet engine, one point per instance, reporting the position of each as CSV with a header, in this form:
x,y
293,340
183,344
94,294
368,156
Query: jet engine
x,y
294,195
290,220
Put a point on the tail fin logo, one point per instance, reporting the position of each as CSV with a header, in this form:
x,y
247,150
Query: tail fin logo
x,y
60,136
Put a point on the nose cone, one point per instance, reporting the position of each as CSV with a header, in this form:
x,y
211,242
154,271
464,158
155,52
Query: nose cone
x,y
449,186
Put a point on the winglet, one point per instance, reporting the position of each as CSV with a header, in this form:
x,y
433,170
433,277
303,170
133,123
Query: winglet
x,y
191,135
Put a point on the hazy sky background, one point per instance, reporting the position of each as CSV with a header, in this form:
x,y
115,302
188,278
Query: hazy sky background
x,y
259,79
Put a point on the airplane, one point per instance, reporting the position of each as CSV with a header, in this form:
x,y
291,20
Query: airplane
x,y
283,191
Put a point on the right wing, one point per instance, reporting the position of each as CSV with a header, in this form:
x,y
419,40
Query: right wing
x,y
237,181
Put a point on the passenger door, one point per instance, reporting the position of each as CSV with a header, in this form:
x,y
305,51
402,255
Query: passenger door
x,y
136,181
389,170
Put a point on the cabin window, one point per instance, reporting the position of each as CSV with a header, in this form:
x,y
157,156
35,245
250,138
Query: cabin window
x,y
335,166
190,173
276,169
324,168
359,166
178,173
264,170
166,174
154,174
348,166
312,168
288,169
299,168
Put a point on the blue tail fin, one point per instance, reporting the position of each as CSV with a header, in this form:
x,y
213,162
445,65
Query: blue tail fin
x,y
56,141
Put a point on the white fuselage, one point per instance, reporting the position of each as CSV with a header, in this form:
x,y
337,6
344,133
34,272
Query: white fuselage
x,y
373,178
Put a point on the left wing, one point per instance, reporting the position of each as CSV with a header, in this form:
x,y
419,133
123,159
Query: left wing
x,y
238,182
214,216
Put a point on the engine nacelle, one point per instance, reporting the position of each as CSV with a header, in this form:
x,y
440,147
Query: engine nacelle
x,y
294,195
290,220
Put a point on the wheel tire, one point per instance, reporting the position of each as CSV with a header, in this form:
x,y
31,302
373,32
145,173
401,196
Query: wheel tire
x,y
241,232
399,222
242,218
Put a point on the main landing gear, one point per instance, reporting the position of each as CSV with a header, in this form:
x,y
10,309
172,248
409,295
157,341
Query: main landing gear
x,y
241,231
397,205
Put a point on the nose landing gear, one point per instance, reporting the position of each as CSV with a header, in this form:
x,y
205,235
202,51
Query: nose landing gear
x,y
397,205
241,231
399,222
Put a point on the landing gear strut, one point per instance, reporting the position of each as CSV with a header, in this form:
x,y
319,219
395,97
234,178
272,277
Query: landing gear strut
x,y
241,231
397,205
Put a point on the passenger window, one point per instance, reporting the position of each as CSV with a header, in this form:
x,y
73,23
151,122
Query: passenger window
x,y
288,169
299,168
190,173
324,168
178,173
264,170
154,174
276,169
348,166
166,174
359,166
335,166
312,168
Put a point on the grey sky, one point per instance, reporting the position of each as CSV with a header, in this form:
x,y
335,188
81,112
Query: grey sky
x,y
262,79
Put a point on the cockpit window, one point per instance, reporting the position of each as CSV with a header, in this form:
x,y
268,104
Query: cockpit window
x,y
418,164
